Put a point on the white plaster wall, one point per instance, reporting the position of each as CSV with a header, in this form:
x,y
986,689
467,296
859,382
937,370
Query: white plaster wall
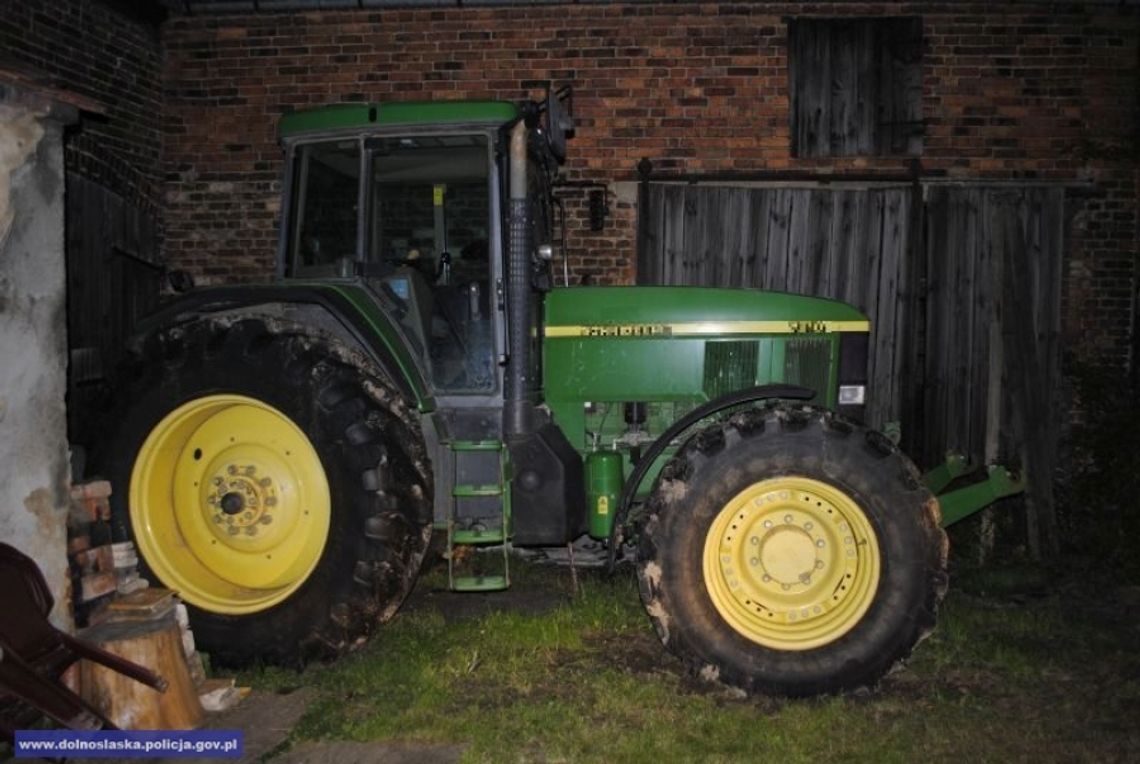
x,y
34,468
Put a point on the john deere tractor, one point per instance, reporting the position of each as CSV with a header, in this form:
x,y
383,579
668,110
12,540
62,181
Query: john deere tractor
x,y
283,452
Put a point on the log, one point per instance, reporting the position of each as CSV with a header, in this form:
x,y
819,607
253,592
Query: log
x,y
156,644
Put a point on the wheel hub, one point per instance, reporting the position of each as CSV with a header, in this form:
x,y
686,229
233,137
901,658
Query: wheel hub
x,y
791,563
786,555
240,500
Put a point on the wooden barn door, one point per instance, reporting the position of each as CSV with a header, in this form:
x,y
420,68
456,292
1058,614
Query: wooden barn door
x,y
993,321
113,276
849,244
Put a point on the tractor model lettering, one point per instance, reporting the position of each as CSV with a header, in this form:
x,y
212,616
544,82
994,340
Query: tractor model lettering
x,y
627,330
286,450
807,327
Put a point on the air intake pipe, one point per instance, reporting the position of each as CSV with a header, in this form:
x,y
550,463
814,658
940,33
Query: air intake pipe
x,y
518,404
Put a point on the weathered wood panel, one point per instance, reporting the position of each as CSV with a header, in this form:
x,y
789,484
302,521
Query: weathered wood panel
x,y
112,278
847,244
992,337
856,86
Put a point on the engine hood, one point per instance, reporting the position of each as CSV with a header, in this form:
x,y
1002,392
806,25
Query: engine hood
x,y
693,311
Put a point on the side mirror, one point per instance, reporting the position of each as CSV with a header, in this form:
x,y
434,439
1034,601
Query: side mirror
x,y
180,280
559,120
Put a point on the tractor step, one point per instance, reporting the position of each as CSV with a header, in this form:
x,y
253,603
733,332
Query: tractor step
x,y
476,491
483,498
488,536
476,445
479,583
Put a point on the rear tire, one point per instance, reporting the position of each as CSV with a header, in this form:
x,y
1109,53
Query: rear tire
x,y
236,448
791,552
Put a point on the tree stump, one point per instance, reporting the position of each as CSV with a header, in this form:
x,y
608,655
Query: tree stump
x,y
156,644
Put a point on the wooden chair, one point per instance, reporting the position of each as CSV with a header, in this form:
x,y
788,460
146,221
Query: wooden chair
x,y
34,654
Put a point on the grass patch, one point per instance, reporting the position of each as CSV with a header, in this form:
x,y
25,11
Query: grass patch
x,y
539,674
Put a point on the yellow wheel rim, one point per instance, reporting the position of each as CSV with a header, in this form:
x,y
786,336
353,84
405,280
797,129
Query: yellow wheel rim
x,y
791,563
229,504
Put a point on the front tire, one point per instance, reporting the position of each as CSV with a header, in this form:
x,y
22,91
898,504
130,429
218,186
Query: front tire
x,y
791,552
276,481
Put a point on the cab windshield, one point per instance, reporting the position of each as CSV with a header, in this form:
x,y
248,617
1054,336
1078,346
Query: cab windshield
x,y
425,239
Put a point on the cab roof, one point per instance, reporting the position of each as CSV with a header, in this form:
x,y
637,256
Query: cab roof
x,y
412,113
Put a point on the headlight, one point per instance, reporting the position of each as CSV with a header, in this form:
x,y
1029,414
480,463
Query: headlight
x,y
852,395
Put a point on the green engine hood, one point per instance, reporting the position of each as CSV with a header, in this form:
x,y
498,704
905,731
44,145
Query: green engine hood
x,y
684,346
693,311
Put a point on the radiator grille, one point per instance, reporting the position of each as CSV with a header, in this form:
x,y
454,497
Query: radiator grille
x,y
730,366
806,362
735,365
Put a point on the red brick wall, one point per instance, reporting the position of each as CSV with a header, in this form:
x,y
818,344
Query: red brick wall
x,y
1042,92
114,58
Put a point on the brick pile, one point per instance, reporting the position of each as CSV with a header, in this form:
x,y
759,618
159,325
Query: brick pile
x,y
100,569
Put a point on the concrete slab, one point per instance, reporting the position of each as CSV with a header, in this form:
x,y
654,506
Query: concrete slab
x,y
265,718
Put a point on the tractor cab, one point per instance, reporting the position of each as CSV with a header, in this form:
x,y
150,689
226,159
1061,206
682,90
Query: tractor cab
x,y
408,199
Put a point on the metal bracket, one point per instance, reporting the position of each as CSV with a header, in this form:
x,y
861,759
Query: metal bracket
x,y
960,504
955,466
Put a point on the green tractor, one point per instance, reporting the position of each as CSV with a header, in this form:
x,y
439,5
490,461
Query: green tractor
x,y
283,452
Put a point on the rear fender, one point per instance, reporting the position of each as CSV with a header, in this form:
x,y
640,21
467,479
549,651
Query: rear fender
x,y
327,312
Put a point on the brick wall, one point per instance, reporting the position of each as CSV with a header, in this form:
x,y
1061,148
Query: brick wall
x,y
108,55
1030,92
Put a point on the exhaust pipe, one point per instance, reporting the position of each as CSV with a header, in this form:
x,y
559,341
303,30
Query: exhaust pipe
x,y
518,401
